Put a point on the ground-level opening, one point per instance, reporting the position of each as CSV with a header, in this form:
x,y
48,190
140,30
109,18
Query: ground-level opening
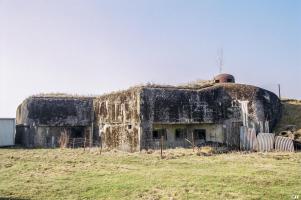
x,y
77,132
79,136
158,133
186,135
199,134
180,133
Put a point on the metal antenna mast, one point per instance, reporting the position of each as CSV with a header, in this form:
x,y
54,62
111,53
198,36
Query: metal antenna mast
x,y
220,60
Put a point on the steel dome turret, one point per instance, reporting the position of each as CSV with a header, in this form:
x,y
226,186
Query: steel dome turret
x,y
224,78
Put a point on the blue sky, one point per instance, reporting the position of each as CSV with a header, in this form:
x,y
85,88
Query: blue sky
x,y
92,47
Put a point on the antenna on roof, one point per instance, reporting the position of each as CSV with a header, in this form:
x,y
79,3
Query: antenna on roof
x,y
220,60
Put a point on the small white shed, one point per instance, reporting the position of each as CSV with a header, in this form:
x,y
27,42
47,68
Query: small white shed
x,y
7,132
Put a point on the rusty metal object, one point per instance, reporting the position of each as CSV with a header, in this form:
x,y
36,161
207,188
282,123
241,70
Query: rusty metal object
x,y
224,78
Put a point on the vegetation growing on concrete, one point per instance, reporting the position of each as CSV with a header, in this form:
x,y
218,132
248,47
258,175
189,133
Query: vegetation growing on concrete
x,y
291,118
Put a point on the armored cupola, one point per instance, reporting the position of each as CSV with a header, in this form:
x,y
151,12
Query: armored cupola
x,y
224,78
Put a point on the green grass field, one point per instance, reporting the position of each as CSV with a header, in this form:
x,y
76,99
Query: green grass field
x,y
182,174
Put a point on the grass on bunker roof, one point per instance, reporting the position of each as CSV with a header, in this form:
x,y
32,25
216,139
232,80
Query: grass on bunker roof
x,y
75,174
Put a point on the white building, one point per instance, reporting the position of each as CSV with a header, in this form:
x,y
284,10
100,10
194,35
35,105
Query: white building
x,y
7,132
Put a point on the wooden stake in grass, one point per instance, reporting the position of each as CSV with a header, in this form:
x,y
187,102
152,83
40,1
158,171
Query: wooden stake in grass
x,y
193,141
161,144
100,144
85,144
100,149
73,143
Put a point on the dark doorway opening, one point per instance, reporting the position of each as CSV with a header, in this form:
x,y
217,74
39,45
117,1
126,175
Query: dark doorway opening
x,y
78,132
180,134
78,137
199,134
158,133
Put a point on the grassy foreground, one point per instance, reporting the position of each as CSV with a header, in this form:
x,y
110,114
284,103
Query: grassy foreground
x,y
75,174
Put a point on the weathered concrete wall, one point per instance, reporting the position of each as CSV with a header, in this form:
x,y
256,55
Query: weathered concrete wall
x,y
49,136
219,104
117,120
56,111
125,120
40,118
262,104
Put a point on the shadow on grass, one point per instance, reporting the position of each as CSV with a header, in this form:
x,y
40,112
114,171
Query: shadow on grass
x,y
12,198
22,147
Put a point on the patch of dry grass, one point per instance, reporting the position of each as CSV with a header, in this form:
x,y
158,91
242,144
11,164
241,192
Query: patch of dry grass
x,y
182,174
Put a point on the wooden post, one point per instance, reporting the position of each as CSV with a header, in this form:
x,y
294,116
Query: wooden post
x,y
85,144
192,141
91,136
100,143
100,149
52,141
162,146
73,143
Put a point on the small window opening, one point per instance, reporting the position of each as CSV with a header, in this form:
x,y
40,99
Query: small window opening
x,y
158,133
199,134
155,134
180,134
130,126
216,81
77,132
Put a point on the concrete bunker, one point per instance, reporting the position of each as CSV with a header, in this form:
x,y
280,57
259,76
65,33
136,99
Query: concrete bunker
x,y
137,118
49,121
